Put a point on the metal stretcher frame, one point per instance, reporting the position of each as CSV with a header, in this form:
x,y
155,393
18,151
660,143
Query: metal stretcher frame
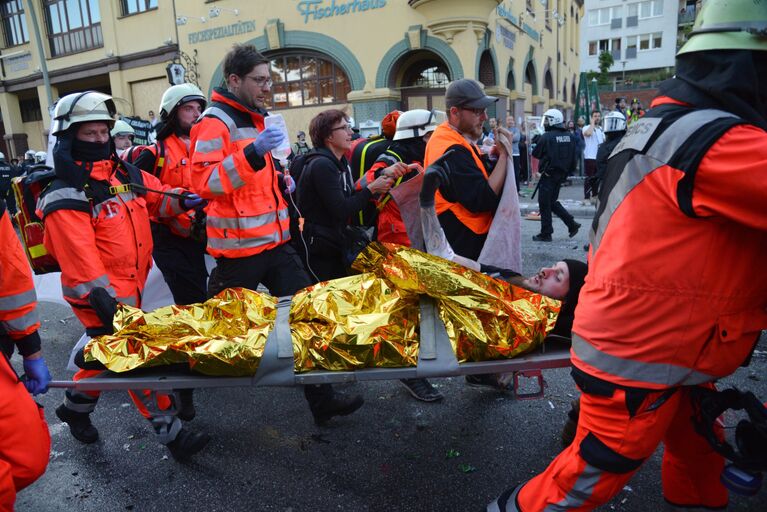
x,y
436,359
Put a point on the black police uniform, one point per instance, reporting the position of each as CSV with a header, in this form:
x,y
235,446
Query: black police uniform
x,y
556,150
7,172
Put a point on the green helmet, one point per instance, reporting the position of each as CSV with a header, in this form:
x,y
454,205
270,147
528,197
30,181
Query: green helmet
x,y
122,128
729,25
178,95
82,107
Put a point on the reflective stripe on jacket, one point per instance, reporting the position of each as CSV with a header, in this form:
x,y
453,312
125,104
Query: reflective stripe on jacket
x,y
676,290
18,300
104,240
247,213
441,140
176,171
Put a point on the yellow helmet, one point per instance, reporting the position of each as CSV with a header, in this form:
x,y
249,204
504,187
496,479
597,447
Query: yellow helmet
x,y
728,25
82,107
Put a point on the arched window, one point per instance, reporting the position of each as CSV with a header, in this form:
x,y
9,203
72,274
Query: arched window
x,y
306,78
486,69
428,74
548,83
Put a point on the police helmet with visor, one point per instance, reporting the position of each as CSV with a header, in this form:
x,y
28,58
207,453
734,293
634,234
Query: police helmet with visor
x,y
553,117
40,157
614,122
29,155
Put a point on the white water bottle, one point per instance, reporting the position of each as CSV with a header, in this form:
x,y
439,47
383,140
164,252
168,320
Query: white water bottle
x,y
281,152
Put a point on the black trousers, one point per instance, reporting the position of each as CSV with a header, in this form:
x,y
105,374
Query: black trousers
x,y
182,263
548,195
280,270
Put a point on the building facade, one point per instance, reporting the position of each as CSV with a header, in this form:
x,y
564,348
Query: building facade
x,y
641,35
366,56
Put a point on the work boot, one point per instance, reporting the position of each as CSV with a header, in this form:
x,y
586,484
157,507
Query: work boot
x,y
79,423
422,390
187,443
540,237
571,425
574,229
186,411
337,404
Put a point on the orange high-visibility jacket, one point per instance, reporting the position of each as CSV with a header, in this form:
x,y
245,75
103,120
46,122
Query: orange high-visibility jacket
x,y
441,140
247,213
103,240
677,287
18,300
175,171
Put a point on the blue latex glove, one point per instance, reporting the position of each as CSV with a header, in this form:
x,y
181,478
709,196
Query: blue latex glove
x,y
192,201
268,139
37,375
290,184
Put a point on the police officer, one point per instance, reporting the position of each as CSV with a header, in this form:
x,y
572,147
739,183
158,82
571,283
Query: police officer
x,y
25,166
556,150
615,128
6,192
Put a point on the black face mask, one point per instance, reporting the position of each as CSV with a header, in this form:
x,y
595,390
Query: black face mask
x,y
83,151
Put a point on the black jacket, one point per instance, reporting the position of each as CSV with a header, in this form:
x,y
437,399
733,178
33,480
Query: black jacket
x,y
556,149
325,193
603,153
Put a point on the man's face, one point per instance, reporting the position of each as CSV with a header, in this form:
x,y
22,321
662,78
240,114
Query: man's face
x,y
581,122
93,131
622,103
510,123
596,118
123,142
551,281
493,123
254,88
469,121
187,114
301,138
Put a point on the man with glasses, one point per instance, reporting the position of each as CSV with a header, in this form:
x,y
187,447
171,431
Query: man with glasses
x,y
248,225
466,206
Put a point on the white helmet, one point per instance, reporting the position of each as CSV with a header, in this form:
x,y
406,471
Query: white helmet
x,y
2,155
122,128
553,117
29,155
614,122
417,123
40,157
83,107
178,95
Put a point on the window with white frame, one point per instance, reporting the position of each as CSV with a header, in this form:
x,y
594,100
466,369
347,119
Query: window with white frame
x,y
650,9
644,42
604,45
605,15
657,40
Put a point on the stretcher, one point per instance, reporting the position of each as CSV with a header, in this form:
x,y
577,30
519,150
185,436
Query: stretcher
x,y
436,358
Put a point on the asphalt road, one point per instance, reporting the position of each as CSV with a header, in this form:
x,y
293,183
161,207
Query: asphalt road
x,y
394,454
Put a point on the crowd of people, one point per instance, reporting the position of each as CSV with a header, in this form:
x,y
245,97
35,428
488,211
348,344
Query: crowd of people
x,y
209,185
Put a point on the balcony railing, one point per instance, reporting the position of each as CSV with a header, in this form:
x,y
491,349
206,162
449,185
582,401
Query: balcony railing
x,y
76,40
688,16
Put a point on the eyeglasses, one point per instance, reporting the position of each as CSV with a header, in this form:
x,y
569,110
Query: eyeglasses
x,y
476,111
348,127
261,81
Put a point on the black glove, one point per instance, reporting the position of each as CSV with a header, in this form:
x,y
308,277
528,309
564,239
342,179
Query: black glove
x,y
105,306
503,273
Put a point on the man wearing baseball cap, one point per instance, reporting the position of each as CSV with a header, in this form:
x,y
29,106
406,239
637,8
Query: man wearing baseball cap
x,y
466,206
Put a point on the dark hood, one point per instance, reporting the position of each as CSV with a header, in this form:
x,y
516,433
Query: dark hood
x,y
731,80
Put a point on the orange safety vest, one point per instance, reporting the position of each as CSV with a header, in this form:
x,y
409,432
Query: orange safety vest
x,y
175,171
102,238
443,138
676,290
18,301
247,213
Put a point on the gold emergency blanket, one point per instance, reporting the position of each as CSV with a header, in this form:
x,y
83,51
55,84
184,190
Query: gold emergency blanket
x,y
225,335
485,318
354,322
363,321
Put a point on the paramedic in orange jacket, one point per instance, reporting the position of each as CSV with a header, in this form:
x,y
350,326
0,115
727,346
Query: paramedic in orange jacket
x,y
684,192
96,215
248,223
24,440
466,207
